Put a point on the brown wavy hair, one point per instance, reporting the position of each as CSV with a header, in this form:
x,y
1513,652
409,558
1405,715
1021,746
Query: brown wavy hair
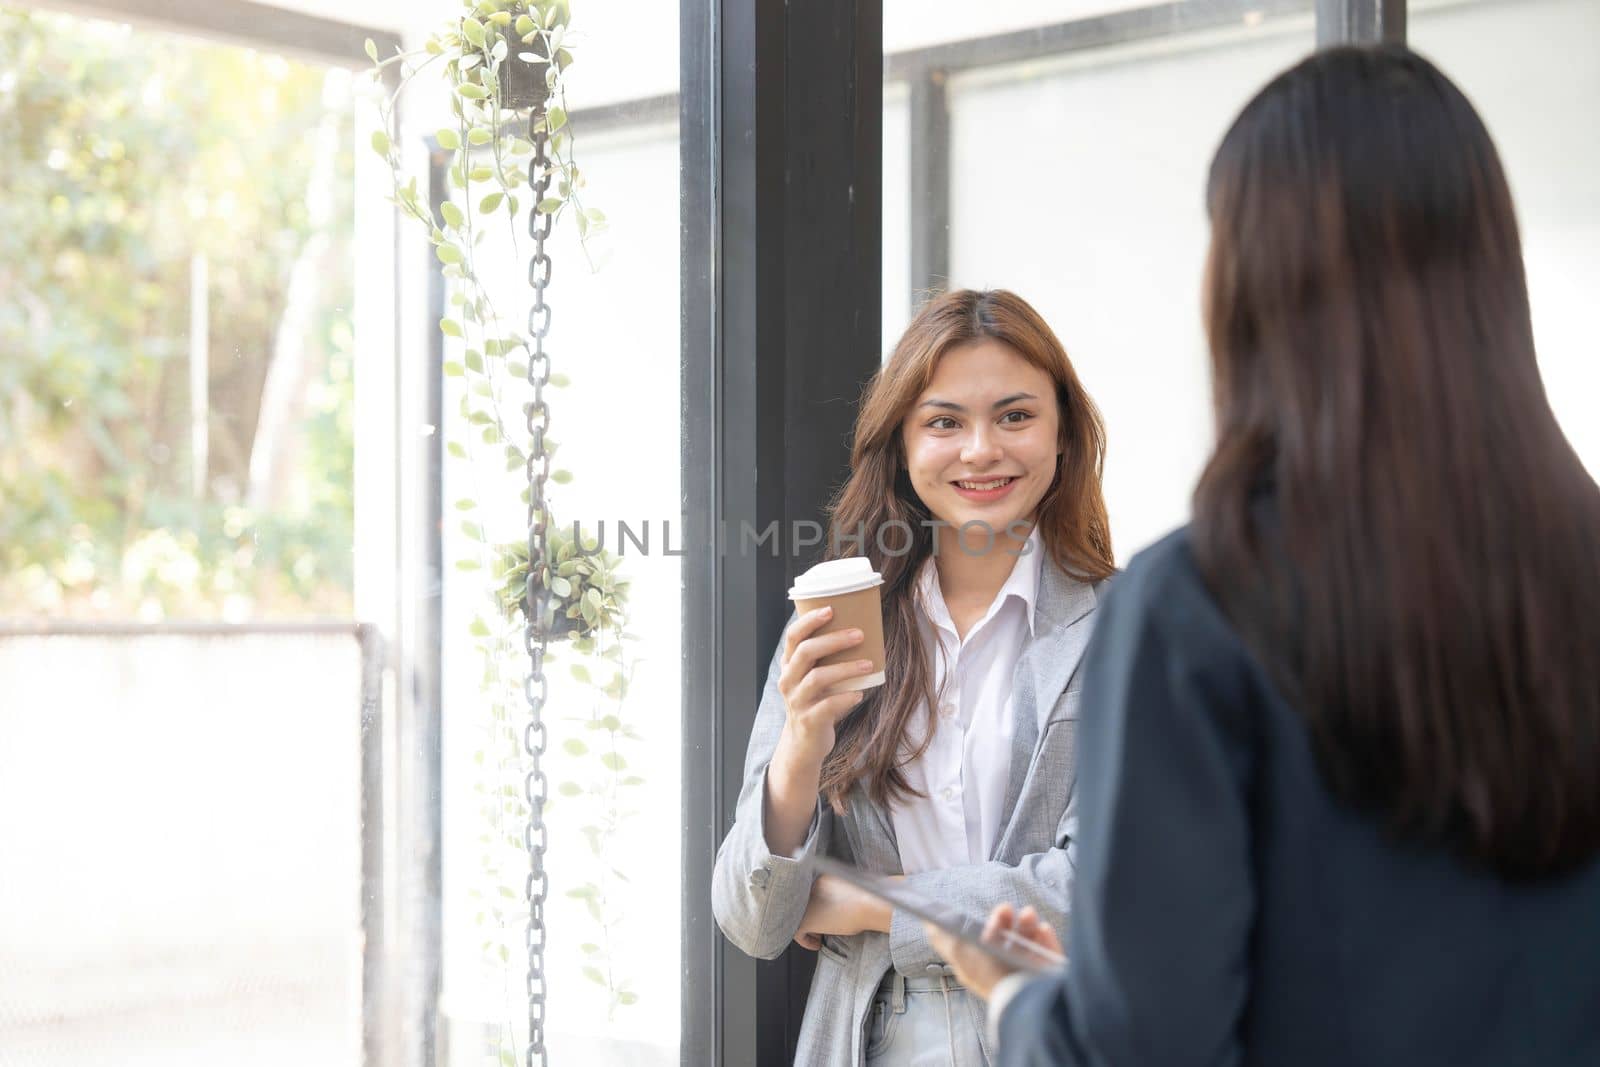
x,y
1392,517
1071,516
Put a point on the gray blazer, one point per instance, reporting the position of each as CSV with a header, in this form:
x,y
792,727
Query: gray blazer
x,y
759,898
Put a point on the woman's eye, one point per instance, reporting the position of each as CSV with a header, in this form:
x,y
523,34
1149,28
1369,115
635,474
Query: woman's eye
x,y
942,422
1020,416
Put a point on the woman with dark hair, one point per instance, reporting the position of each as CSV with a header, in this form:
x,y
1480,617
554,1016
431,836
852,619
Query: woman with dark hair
x,y
1340,787
974,491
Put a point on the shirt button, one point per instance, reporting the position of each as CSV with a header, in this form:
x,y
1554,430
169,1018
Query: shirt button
x,y
949,792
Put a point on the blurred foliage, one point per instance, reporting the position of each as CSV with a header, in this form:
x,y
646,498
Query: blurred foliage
x,y
127,155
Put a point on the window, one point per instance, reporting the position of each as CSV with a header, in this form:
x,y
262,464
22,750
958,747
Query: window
x,y
1074,158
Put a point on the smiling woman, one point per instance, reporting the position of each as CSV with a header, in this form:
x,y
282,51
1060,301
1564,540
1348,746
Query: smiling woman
x,y
957,773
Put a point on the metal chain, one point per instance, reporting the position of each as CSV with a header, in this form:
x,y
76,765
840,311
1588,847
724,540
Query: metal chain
x,y
537,593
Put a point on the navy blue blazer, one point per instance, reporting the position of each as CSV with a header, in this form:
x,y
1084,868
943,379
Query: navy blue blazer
x,y
1228,911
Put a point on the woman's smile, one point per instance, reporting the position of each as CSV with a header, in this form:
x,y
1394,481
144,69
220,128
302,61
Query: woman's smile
x,y
985,490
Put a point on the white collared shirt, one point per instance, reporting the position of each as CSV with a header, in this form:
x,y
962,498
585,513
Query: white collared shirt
x,y
967,766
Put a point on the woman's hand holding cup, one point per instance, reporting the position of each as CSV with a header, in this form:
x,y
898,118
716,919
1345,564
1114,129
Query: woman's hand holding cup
x,y
832,654
814,712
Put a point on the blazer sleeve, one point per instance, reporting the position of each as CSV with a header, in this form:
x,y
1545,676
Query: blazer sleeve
x,y
1164,901
758,898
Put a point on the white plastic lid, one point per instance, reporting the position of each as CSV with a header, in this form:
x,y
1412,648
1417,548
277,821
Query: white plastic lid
x,y
835,576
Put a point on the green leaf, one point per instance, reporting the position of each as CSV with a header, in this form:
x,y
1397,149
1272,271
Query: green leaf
x,y
525,25
479,628
594,975
449,253
548,206
569,789
452,214
450,327
613,762
561,477
472,92
468,565
561,587
592,597
456,448
452,369
466,504
474,360
581,673
610,722
380,142
371,49
478,135
472,30
628,998
480,174
560,381
575,747
589,949
448,139
633,779
490,202
555,118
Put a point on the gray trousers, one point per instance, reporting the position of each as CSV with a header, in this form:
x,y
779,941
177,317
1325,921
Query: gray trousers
x,y
924,1022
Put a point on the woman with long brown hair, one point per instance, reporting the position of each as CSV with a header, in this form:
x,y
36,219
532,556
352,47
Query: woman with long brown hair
x,y
1341,786
975,492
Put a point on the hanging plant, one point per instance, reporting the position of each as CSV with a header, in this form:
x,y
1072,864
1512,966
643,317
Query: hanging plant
x,y
505,66
587,597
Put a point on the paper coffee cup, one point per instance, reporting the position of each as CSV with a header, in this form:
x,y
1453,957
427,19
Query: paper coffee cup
x,y
851,588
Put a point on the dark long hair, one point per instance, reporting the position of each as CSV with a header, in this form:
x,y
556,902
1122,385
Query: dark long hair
x,y
1071,520
1428,592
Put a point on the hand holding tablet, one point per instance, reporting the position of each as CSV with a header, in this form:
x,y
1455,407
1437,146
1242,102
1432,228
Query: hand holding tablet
x,y
1015,952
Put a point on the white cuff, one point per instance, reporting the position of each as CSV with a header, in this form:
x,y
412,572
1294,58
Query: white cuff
x,y
999,997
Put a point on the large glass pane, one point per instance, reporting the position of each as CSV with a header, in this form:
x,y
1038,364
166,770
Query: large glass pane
x,y
177,380
1076,179
614,711
1532,70
182,846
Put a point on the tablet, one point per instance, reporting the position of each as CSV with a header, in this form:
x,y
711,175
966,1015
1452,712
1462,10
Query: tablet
x,y
1017,953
